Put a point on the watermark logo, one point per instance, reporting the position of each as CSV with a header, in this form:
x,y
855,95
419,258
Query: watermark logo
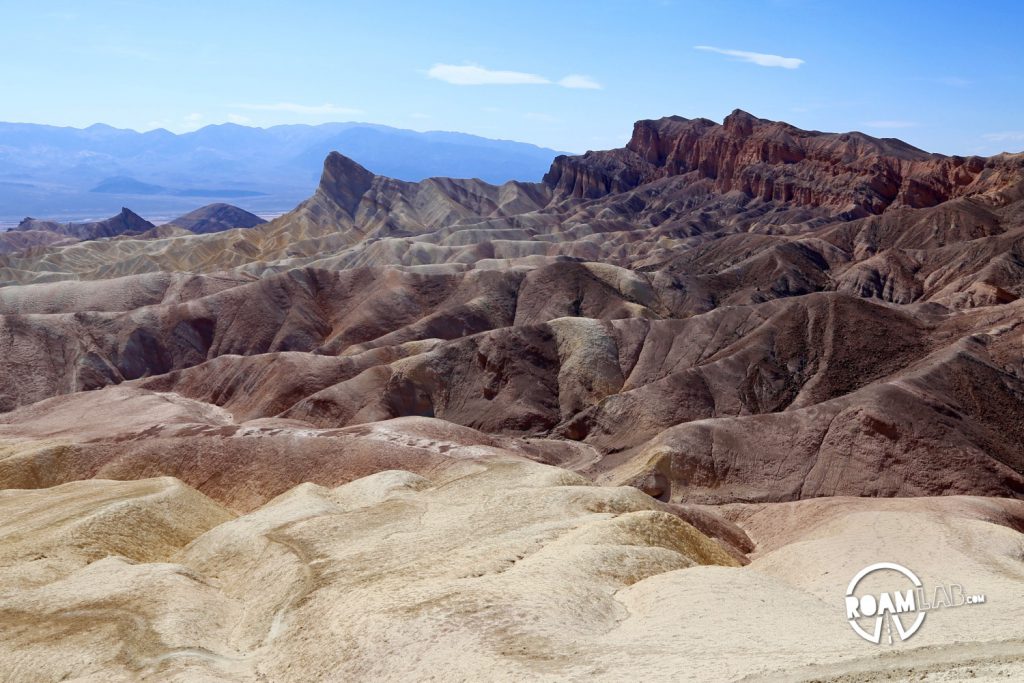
x,y
900,609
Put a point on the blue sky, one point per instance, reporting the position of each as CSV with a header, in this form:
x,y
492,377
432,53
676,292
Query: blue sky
x,y
946,76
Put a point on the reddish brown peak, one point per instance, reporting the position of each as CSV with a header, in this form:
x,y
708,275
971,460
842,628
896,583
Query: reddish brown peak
x,y
849,174
654,140
741,124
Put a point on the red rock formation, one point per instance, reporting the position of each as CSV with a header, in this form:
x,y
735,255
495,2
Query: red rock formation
x,y
851,174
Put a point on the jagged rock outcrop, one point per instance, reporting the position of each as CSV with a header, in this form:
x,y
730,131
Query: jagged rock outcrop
x,y
851,174
125,223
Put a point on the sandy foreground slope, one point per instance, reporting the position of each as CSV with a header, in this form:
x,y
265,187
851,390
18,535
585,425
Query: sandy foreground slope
x,y
496,569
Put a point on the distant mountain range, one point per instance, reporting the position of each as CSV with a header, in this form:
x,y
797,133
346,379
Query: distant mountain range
x,y
75,174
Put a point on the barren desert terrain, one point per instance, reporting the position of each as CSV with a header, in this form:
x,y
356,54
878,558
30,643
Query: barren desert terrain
x,y
643,419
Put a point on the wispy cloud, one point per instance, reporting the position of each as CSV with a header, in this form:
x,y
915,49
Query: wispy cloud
x,y
580,82
293,108
190,122
471,74
758,58
954,81
185,124
239,119
890,124
1005,136
478,75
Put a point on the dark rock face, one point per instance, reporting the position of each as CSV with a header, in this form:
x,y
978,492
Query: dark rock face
x,y
715,313
344,181
216,218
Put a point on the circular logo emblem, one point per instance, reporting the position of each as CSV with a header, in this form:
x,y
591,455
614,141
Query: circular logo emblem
x,y
893,608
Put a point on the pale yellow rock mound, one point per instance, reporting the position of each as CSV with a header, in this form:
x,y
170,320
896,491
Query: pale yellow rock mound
x,y
496,569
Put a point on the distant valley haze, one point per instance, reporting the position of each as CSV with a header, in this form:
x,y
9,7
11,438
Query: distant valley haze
x,y
72,174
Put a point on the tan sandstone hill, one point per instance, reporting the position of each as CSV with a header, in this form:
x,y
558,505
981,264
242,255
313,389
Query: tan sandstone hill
x,y
497,570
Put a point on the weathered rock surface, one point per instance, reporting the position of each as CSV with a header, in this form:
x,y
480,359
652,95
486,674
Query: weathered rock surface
x,y
125,222
716,313
850,173
494,569
646,417
216,218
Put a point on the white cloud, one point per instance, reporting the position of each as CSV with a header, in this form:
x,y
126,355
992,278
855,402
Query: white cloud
x,y
1005,136
239,119
890,124
580,82
477,75
189,122
758,58
186,124
293,108
471,74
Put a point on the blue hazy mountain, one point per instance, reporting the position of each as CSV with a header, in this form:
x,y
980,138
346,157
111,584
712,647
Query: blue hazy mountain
x,y
72,173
